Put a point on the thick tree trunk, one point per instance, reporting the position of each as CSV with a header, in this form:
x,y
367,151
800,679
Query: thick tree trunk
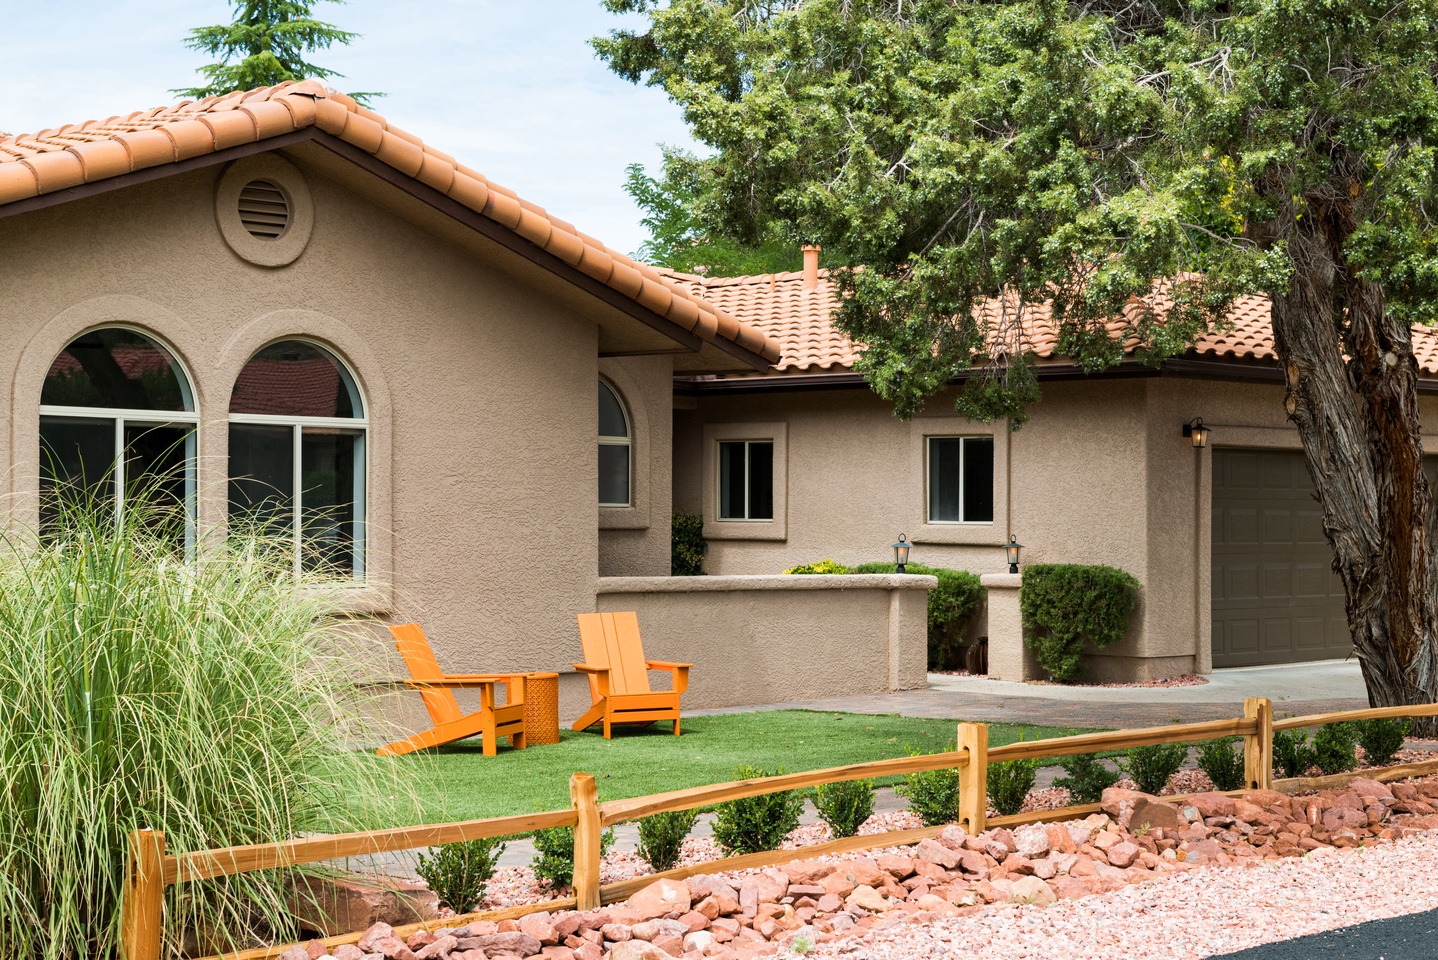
x,y
1358,421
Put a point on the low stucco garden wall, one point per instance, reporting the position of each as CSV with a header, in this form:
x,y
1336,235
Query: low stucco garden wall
x,y
768,639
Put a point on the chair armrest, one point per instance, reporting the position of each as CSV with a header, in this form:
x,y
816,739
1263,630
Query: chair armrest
x,y
454,683
680,672
586,668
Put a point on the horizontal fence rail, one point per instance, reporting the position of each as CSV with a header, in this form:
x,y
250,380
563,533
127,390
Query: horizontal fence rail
x,y
150,869
618,811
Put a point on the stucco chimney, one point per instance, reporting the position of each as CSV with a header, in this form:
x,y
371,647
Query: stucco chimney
x,y
811,265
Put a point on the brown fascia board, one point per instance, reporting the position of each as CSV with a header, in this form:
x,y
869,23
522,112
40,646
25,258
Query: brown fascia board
x,y
1184,367
477,222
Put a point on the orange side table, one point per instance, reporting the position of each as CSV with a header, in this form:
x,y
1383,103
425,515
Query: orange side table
x,y
541,708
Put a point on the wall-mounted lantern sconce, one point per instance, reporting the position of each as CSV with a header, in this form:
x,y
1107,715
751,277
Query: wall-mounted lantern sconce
x,y
901,553
1011,553
1195,432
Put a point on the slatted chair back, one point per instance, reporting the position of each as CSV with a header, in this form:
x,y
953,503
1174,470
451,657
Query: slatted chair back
x,y
419,658
612,640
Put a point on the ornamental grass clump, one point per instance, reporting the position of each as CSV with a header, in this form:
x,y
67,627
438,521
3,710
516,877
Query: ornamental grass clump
x,y
210,699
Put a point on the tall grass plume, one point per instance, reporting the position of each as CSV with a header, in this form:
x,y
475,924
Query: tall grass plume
x,y
208,697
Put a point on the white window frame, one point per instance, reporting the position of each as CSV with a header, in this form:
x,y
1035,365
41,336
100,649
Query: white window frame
x,y
963,454
627,442
357,425
155,418
719,481
775,432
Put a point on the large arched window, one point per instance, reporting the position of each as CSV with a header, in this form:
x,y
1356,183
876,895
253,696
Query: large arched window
x,y
297,456
117,430
616,441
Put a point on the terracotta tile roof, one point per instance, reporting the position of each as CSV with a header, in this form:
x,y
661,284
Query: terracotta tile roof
x,y
68,156
799,320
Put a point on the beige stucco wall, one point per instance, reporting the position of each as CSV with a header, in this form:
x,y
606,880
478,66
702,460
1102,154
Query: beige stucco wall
x,y
482,463
772,639
634,540
1100,474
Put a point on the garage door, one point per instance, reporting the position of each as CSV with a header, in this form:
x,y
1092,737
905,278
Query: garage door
x,y
1275,596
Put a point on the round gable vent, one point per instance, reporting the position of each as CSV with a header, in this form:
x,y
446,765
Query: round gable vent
x,y
264,211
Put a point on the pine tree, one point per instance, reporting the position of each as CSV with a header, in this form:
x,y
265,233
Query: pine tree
x,y
266,44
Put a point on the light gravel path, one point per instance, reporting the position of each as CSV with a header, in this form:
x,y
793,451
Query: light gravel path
x,y
1187,916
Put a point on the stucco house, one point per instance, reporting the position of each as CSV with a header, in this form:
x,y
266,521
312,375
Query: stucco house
x,y
276,305
1227,540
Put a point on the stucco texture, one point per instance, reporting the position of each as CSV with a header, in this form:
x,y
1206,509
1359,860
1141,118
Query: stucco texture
x,y
482,463
758,640
634,540
1099,475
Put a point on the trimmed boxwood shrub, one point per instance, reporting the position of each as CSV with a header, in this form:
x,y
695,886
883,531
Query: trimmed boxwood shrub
x,y
951,604
1065,605
687,546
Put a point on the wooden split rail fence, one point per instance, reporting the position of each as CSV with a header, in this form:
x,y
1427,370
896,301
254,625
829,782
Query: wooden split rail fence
x,y
151,868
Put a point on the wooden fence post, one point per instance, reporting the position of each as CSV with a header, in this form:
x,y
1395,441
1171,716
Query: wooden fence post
x,y
585,795
974,777
1258,747
142,904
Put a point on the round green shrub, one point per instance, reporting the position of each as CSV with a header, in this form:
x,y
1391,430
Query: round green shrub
x,y
661,837
1065,605
845,805
756,824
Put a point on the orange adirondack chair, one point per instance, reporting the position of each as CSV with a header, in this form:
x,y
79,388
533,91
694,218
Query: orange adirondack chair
x,y
437,688
619,674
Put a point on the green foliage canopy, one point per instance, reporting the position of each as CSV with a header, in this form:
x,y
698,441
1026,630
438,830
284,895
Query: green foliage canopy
x,y
266,44
1049,150
1065,605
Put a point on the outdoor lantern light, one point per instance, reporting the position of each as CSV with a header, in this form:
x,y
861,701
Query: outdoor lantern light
x,y
1196,432
901,553
1011,553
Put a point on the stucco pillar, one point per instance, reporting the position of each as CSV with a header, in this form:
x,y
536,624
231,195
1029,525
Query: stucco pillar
x,y
1008,660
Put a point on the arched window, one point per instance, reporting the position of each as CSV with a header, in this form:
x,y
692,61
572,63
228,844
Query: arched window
x,y
616,441
297,456
117,429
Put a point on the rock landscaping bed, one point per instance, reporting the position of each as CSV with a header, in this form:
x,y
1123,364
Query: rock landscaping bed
x,y
884,900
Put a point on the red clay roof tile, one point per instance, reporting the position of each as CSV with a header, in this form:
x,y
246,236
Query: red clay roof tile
x,y
51,160
778,305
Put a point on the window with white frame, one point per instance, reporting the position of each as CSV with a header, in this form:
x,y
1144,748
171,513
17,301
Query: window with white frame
x,y
616,446
117,433
746,479
297,456
961,479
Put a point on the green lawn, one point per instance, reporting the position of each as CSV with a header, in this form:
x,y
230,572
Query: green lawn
x,y
460,783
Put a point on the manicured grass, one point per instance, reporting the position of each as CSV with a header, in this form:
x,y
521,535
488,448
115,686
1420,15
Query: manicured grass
x,y
459,783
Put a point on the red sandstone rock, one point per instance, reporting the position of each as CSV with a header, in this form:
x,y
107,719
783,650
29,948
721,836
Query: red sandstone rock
x,y
661,897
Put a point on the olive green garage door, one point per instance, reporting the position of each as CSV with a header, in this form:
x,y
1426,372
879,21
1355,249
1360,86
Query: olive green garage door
x,y
1275,596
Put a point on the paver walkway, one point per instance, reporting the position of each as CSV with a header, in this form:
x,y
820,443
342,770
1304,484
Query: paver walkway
x,y
1295,689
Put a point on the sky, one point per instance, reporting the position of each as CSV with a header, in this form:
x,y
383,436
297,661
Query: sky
x,y
509,87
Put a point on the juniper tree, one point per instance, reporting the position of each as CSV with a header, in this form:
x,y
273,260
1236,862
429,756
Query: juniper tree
x,y
1082,153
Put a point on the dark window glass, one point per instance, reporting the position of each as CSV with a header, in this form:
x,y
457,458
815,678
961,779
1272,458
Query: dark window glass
x,y
979,479
295,379
614,474
611,414
115,369
746,480
77,465
327,516
157,476
961,479
945,477
262,477
761,481
731,480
